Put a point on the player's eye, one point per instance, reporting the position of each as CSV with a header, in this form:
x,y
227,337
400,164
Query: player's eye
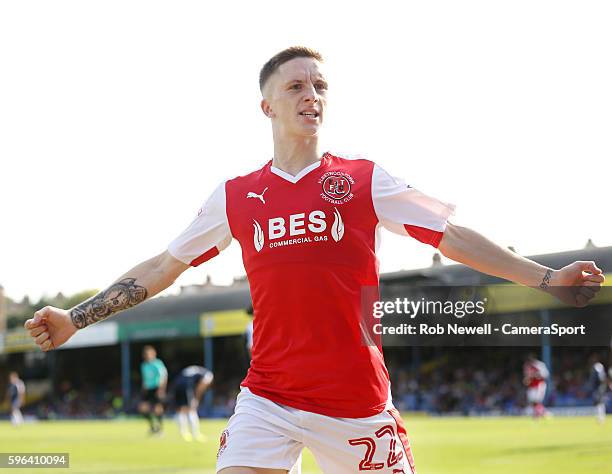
x,y
321,86
296,87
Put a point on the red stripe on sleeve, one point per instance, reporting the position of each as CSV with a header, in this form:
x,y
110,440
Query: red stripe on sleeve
x,y
422,234
403,436
213,252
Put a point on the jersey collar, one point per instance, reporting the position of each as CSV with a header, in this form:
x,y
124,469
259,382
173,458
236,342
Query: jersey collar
x,y
294,179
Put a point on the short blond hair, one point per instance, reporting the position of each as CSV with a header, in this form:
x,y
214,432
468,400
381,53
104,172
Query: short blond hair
x,y
285,55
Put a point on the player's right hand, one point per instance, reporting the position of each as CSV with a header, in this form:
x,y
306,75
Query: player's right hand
x,y
50,327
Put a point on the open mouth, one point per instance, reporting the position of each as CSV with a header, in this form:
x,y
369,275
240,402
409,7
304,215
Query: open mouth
x,y
310,114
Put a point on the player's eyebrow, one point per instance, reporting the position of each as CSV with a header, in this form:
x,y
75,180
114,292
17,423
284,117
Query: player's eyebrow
x,y
301,81
295,81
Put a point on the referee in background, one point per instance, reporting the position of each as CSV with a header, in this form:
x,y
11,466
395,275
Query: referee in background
x,y
154,382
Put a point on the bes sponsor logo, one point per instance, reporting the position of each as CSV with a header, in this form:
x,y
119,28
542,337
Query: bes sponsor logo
x,y
337,187
300,228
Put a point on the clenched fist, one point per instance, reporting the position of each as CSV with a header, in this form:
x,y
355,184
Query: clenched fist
x,y
50,327
575,284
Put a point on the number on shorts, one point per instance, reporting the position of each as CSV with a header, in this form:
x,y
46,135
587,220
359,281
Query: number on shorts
x,y
366,463
392,458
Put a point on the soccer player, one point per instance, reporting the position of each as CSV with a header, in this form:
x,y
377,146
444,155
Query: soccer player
x,y
308,224
189,388
16,397
154,382
535,374
598,382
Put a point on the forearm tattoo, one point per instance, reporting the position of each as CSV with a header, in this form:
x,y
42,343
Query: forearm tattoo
x,y
546,280
119,296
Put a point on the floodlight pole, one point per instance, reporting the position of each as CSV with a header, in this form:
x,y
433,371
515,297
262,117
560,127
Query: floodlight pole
x,y
209,364
125,373
546,349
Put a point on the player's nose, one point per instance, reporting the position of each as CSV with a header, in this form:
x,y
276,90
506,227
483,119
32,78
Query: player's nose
x,y
310,94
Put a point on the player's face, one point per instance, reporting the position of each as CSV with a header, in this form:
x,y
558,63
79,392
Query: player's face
x,y
149,354
295,97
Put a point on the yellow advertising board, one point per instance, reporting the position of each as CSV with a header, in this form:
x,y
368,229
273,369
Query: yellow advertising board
x,y
224,323
18,340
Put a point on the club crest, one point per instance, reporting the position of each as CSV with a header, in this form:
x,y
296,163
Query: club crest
x,y
337,187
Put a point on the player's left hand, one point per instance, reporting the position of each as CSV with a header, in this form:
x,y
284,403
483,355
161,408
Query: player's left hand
x,y
577,283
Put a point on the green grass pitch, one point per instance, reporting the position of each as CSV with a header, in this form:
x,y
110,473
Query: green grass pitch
x,y
441,446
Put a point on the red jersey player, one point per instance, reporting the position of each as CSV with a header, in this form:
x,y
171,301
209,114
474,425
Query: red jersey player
x,y
308,224
535,375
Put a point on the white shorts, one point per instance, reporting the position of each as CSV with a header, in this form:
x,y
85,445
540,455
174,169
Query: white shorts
x,y
265,434
536,394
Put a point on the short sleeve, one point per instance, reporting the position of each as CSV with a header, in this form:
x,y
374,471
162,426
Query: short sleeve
x,y
406,211
163,372
207,235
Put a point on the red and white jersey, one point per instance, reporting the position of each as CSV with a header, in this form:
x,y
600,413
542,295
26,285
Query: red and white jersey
x,y
309,249
535,373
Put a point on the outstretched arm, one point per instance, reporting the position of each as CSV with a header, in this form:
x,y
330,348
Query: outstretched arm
x,y
574,284
51,327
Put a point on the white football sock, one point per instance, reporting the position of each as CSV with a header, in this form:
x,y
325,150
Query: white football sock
x,y
182,422
194,422
601,412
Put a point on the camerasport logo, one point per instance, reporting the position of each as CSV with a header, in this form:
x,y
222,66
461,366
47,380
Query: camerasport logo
x,y
337,187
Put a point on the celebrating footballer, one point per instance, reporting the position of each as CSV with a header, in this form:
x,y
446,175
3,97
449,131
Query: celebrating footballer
x,y
308,225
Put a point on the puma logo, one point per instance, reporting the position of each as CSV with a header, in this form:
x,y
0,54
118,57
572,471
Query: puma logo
x,y
258,196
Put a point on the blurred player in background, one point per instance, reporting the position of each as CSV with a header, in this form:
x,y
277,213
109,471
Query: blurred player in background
x,y
308,225
16,397
535,375
154,382
598,382
189,388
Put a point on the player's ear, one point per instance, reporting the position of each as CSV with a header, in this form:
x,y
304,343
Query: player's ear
x,y
266,108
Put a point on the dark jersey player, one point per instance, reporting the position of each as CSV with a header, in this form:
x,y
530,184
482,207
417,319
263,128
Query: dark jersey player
x,y
308,224
16,397
598,384
189,388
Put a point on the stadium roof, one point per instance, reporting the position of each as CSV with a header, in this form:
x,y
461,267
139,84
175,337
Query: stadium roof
x,y
189,305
